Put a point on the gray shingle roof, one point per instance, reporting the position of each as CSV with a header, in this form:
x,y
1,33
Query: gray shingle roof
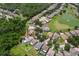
x,y
38,45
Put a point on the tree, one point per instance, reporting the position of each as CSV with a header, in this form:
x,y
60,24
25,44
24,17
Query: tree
x,y
67,47
38,30
64,11
74,40
56,47
60,13
69,29
41,38
66,5
76,27
10,32
50,44
31,10
37,22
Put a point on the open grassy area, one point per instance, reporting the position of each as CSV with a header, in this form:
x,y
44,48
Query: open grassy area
x,y
64,21
22,50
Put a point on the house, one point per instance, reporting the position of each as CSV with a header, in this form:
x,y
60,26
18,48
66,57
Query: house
x,y
44,20
49,34
77,31
30,32
50,52
42,53
55,36
62,46
45,28
77,49
77,13
31,37
66,53
38,45
59,54
33,42
31,27
63,36
68,34
26,40
74,51
65,41
44,48
47,40
1,10
73,33
0,14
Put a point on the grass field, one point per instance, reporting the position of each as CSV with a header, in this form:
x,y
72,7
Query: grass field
x,y
65,21
22,50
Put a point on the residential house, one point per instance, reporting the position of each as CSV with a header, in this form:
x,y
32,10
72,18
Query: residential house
x,y
59,54
50,52
68,34
74,51
44,48
65,37
47,40
45,28
44,20
49,34
34,41
26,40
73,33
66,53
38,45
31,27
55,36
77,31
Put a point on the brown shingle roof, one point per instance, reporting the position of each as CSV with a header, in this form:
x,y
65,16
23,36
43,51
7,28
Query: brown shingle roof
x,y
50,52
45,48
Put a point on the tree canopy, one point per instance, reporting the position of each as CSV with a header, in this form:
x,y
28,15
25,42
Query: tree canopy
x,y
10,32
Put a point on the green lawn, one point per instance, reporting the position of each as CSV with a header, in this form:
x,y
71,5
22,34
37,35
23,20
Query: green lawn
x,y
60,41
64,21
22,50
